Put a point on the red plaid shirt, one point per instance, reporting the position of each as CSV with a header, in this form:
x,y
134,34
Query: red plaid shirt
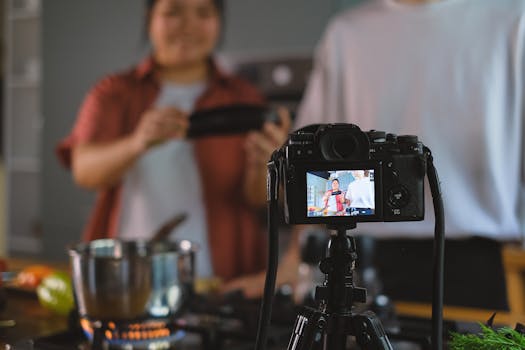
x,y
113,108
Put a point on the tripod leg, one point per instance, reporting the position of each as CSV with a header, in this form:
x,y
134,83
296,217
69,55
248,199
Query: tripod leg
x,y
308,330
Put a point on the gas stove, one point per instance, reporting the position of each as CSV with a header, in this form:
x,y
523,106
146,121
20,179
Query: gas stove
x,y
205,324
139,334
187,337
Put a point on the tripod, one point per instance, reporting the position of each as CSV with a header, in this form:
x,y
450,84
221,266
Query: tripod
x,y
329,326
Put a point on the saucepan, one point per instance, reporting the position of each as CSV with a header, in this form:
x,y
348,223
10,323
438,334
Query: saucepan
x,y
126,280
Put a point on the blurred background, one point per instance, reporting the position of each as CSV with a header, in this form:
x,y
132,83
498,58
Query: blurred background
x,y
54,51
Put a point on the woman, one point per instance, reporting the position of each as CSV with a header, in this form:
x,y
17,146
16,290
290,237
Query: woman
x,y
129,145
333,200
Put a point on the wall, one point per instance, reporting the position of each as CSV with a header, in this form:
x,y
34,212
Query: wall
x,y
83,40
3,248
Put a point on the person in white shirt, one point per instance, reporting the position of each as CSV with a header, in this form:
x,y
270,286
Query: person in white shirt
x,y
360,194
452,73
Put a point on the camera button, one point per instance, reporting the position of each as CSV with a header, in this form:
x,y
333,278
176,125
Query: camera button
x,y
398,196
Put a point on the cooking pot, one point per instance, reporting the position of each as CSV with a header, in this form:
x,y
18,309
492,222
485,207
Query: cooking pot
x,y
125,280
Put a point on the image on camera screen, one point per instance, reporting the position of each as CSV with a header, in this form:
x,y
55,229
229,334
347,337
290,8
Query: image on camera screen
x,y
340,193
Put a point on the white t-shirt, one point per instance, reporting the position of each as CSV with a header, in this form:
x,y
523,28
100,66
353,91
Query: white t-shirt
x,y
450,72
332,203
360,192
165,182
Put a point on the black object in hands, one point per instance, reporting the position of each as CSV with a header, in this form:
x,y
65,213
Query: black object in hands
x,y
336,193
233,119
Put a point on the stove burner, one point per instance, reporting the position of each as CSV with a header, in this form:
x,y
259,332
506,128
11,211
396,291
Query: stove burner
x,y
148,334
207,323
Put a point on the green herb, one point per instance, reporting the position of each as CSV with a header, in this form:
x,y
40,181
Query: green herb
x,y
500,339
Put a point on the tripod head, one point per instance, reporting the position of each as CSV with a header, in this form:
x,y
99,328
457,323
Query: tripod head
x,y
338,292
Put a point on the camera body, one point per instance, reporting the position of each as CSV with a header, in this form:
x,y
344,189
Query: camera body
x,y
337,174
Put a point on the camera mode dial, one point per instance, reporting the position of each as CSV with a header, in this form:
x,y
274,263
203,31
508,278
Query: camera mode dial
x,y
409,144
398,196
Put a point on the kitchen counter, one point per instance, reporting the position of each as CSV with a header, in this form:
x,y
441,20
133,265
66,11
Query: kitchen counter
x,y
23,308
514,264
33,322
30,318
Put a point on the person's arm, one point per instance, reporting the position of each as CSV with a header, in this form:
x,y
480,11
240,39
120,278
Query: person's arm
x,y
348,196
102,165
252,286
326,198
259,148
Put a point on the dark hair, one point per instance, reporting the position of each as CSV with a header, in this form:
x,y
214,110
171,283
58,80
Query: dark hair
x,y
219,4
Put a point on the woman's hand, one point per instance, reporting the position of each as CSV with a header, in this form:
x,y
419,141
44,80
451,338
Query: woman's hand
x,y
158,125
261,144
102,165
252,286
259,147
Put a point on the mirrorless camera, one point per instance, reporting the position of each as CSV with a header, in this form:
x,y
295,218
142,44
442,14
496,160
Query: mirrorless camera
x,y
337,174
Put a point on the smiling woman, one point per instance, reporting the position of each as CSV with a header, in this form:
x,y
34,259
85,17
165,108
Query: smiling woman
x,y
129,144
183,34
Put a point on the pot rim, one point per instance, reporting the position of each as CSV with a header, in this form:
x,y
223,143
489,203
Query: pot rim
x,y
120,249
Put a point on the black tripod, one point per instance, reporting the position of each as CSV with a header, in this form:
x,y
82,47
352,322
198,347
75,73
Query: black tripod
x,y
329,326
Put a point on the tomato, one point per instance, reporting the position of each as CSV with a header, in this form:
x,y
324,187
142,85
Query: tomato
x,y
55,293
31,276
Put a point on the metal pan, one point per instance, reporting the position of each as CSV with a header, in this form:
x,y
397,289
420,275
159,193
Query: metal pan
x,y
125,280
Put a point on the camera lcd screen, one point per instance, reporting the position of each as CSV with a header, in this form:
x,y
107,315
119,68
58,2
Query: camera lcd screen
x,y
334,193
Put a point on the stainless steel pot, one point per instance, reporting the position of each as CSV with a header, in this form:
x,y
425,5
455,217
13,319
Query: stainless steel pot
x,y
125,280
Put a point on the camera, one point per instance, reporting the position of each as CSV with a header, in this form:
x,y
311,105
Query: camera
x,y
337,174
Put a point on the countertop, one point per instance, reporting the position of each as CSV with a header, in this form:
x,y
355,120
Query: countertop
x,y
30,319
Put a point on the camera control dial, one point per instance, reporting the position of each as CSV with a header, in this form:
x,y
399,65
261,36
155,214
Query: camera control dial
x,y
398,196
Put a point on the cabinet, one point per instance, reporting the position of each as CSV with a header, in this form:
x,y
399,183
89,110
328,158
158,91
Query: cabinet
x,y
22,125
